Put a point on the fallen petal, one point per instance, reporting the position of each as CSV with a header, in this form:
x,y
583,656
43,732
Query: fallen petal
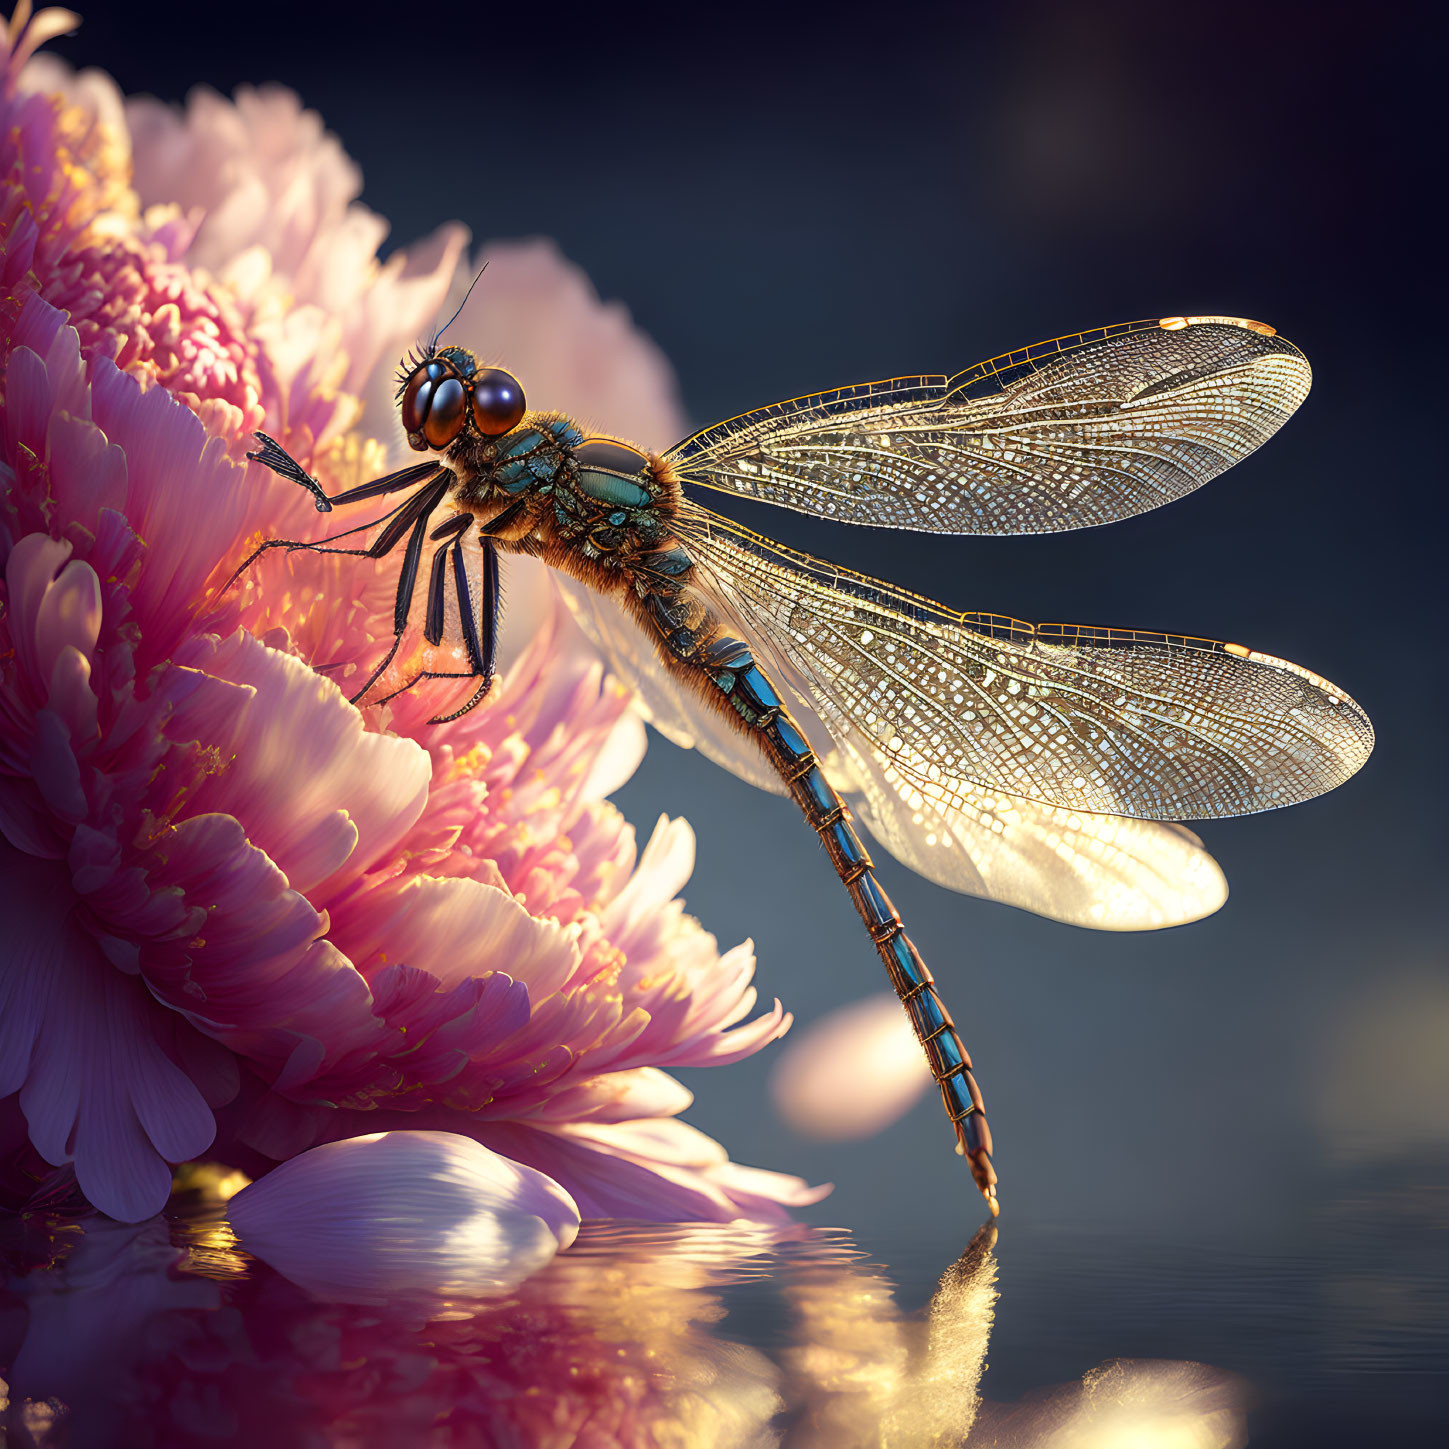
x,y
404,1218
852,1073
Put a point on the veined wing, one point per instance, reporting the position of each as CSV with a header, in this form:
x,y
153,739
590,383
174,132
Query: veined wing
x,y
1103,871
1155,726
664,699
1071,433
1100,871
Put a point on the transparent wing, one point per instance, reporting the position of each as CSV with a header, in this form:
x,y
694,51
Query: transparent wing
x,y
1155,726
1078,431
665,700
1089,870
1102,871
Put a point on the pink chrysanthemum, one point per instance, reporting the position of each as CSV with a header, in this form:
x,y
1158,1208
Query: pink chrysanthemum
x,y
244,916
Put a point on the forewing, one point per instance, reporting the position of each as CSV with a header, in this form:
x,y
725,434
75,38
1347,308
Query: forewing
x,y
1154,726
1071,433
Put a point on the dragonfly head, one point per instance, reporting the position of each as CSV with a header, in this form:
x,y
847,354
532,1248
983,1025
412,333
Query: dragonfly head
x,y
442,393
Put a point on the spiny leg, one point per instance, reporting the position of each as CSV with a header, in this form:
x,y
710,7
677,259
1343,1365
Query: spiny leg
x,y
401,517
377,674
475,699
415,514
476,625
449,565
272,455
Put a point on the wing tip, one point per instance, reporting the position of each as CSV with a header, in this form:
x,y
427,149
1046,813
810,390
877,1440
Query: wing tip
x,y
1176,324
1353,737
1327,686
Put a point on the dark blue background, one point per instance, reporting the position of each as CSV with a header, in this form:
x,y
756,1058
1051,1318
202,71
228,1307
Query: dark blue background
x,y
1223,1142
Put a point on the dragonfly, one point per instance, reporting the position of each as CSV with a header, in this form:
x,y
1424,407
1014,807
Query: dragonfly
x,y
932,711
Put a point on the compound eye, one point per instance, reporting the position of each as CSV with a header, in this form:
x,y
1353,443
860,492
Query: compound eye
x,y
427,390
498,404
417,396
445,415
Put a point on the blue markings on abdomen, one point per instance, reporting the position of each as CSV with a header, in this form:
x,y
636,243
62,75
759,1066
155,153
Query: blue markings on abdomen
x,y
820,798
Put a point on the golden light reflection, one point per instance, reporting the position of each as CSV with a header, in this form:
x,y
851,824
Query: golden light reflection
x,y
210,1181
860,1372
1131,1404
635,1336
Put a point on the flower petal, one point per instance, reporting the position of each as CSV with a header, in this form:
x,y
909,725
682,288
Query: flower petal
x,y
852,1073
95,1085
656,1170
322,796
404,1218
455,929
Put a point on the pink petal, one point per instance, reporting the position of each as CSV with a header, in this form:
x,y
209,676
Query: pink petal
x,y
81,1045
86,470
322,796
28,400
30,575
72,700
664,868
851,1074
446,1029
45,25
657,1170
44,330
69,616
171,464
258,978
404,1217
454,929
619,1097
55,769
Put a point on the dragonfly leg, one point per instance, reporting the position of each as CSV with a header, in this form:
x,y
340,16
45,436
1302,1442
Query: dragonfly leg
x,y
273,455
474,613
291,545
398,521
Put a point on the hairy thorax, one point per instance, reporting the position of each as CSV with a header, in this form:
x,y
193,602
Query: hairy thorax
x,y
546,489
603,512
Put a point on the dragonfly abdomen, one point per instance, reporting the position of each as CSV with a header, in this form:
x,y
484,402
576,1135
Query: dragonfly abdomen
x,y
729,670
657,577
911,978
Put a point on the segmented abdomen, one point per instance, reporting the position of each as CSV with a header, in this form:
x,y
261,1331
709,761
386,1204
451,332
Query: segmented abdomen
x,y
692,633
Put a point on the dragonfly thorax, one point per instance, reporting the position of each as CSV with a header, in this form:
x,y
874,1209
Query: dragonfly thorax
x,y
545,487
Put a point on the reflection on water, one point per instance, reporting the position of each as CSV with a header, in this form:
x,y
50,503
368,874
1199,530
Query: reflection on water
x,y
162,1333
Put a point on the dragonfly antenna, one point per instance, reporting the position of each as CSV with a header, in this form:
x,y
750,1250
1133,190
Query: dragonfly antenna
x,y
461,305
